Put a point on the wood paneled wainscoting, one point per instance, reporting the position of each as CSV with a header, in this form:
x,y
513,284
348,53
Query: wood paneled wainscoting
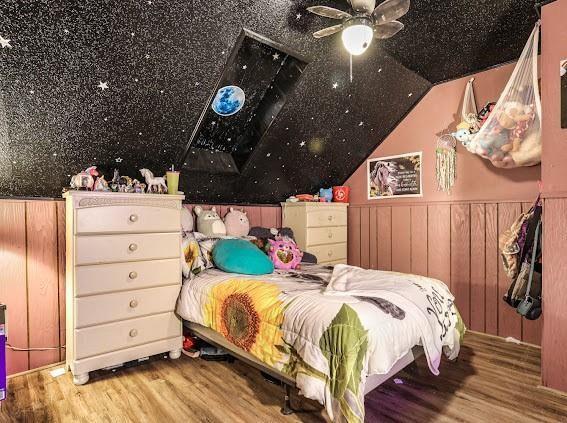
x,y
454,242
32,275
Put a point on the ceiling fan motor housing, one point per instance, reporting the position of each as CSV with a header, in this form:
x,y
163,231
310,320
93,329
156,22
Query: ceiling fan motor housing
x,y
363,6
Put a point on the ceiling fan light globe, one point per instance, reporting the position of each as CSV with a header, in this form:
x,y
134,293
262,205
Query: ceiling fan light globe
x,y
357,38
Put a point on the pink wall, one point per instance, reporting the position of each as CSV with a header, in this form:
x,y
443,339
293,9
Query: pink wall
x,y
439,113
554,173
553,50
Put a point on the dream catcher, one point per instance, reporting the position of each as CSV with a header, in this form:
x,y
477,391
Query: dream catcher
x,y
446,162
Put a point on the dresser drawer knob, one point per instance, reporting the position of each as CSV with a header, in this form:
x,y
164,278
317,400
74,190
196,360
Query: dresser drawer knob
x,y
133,303
330,234
133,333
330,218
133,218
330,253
133,275
132,247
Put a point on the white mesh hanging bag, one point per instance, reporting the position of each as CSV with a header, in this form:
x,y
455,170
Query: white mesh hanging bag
x,y
511,135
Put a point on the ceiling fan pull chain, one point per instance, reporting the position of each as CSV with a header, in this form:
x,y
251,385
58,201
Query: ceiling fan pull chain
x,y
350,55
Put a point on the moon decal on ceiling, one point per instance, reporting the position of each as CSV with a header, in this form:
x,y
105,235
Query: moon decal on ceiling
x,y
229,100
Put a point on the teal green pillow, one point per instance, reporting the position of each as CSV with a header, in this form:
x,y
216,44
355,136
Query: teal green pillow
x,y
241,256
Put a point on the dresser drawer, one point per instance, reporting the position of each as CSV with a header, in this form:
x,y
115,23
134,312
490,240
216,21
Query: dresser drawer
x,y
326,235
131,219
105,278
92,249
327,216
129,333
98,309
327,253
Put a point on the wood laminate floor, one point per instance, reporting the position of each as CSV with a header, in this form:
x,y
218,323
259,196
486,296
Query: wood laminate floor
x,y
493,381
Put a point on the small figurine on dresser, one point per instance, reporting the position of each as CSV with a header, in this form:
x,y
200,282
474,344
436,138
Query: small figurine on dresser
x,y
326,195
101,184
155,185
84,179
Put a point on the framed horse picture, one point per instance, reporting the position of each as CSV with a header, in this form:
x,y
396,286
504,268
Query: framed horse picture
x,y
394,176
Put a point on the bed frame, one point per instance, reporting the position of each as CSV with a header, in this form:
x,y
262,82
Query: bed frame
x,y
216,339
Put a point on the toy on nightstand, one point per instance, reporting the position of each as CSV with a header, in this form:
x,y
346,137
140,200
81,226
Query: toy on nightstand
x,y
84,179
156,184
326,195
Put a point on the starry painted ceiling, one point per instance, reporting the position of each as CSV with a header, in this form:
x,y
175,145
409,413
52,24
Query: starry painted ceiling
x,y
123,83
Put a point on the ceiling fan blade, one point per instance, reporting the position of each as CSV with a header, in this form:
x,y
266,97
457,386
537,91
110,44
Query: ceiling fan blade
x,y
387,30
329,12
391,10
328,31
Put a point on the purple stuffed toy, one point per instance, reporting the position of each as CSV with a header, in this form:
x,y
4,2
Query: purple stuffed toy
x,y
284,253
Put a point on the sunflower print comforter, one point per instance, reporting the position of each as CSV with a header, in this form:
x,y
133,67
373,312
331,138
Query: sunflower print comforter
x,y
328,343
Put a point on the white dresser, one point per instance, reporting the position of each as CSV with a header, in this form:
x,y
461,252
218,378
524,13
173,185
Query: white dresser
x,y
123,278
319,228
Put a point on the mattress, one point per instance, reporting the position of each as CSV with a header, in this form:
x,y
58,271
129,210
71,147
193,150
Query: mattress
x,y
328,343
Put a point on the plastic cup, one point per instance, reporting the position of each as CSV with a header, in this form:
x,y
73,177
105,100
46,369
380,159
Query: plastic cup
x,y
172,182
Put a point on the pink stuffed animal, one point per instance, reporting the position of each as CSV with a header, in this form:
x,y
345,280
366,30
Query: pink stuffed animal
x,y
236,223
284,253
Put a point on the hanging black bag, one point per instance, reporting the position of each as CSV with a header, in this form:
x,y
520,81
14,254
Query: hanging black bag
x,y
530,307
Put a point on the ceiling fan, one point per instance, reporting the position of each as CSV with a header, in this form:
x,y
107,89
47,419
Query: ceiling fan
x,y
366,23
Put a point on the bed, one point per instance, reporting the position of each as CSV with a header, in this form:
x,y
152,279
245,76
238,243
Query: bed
x,y
334,333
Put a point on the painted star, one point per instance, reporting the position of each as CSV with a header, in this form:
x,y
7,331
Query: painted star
x,y
335,85
147,56
298,16
268,155
244,67
361,123
346,111
302,143
66,31
4,42
102,85
118,159
380,70
276,56
410,94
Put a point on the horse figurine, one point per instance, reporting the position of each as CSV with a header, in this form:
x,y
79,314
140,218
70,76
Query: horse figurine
x,y
84,179
155,184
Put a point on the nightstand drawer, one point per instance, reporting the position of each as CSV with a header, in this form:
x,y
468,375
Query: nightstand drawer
x,y
105,278
327,216
99,309
131,219
328,235
129,333
327,253
128,247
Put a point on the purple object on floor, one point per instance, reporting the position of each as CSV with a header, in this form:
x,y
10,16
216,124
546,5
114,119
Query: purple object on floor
x,y
2,352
